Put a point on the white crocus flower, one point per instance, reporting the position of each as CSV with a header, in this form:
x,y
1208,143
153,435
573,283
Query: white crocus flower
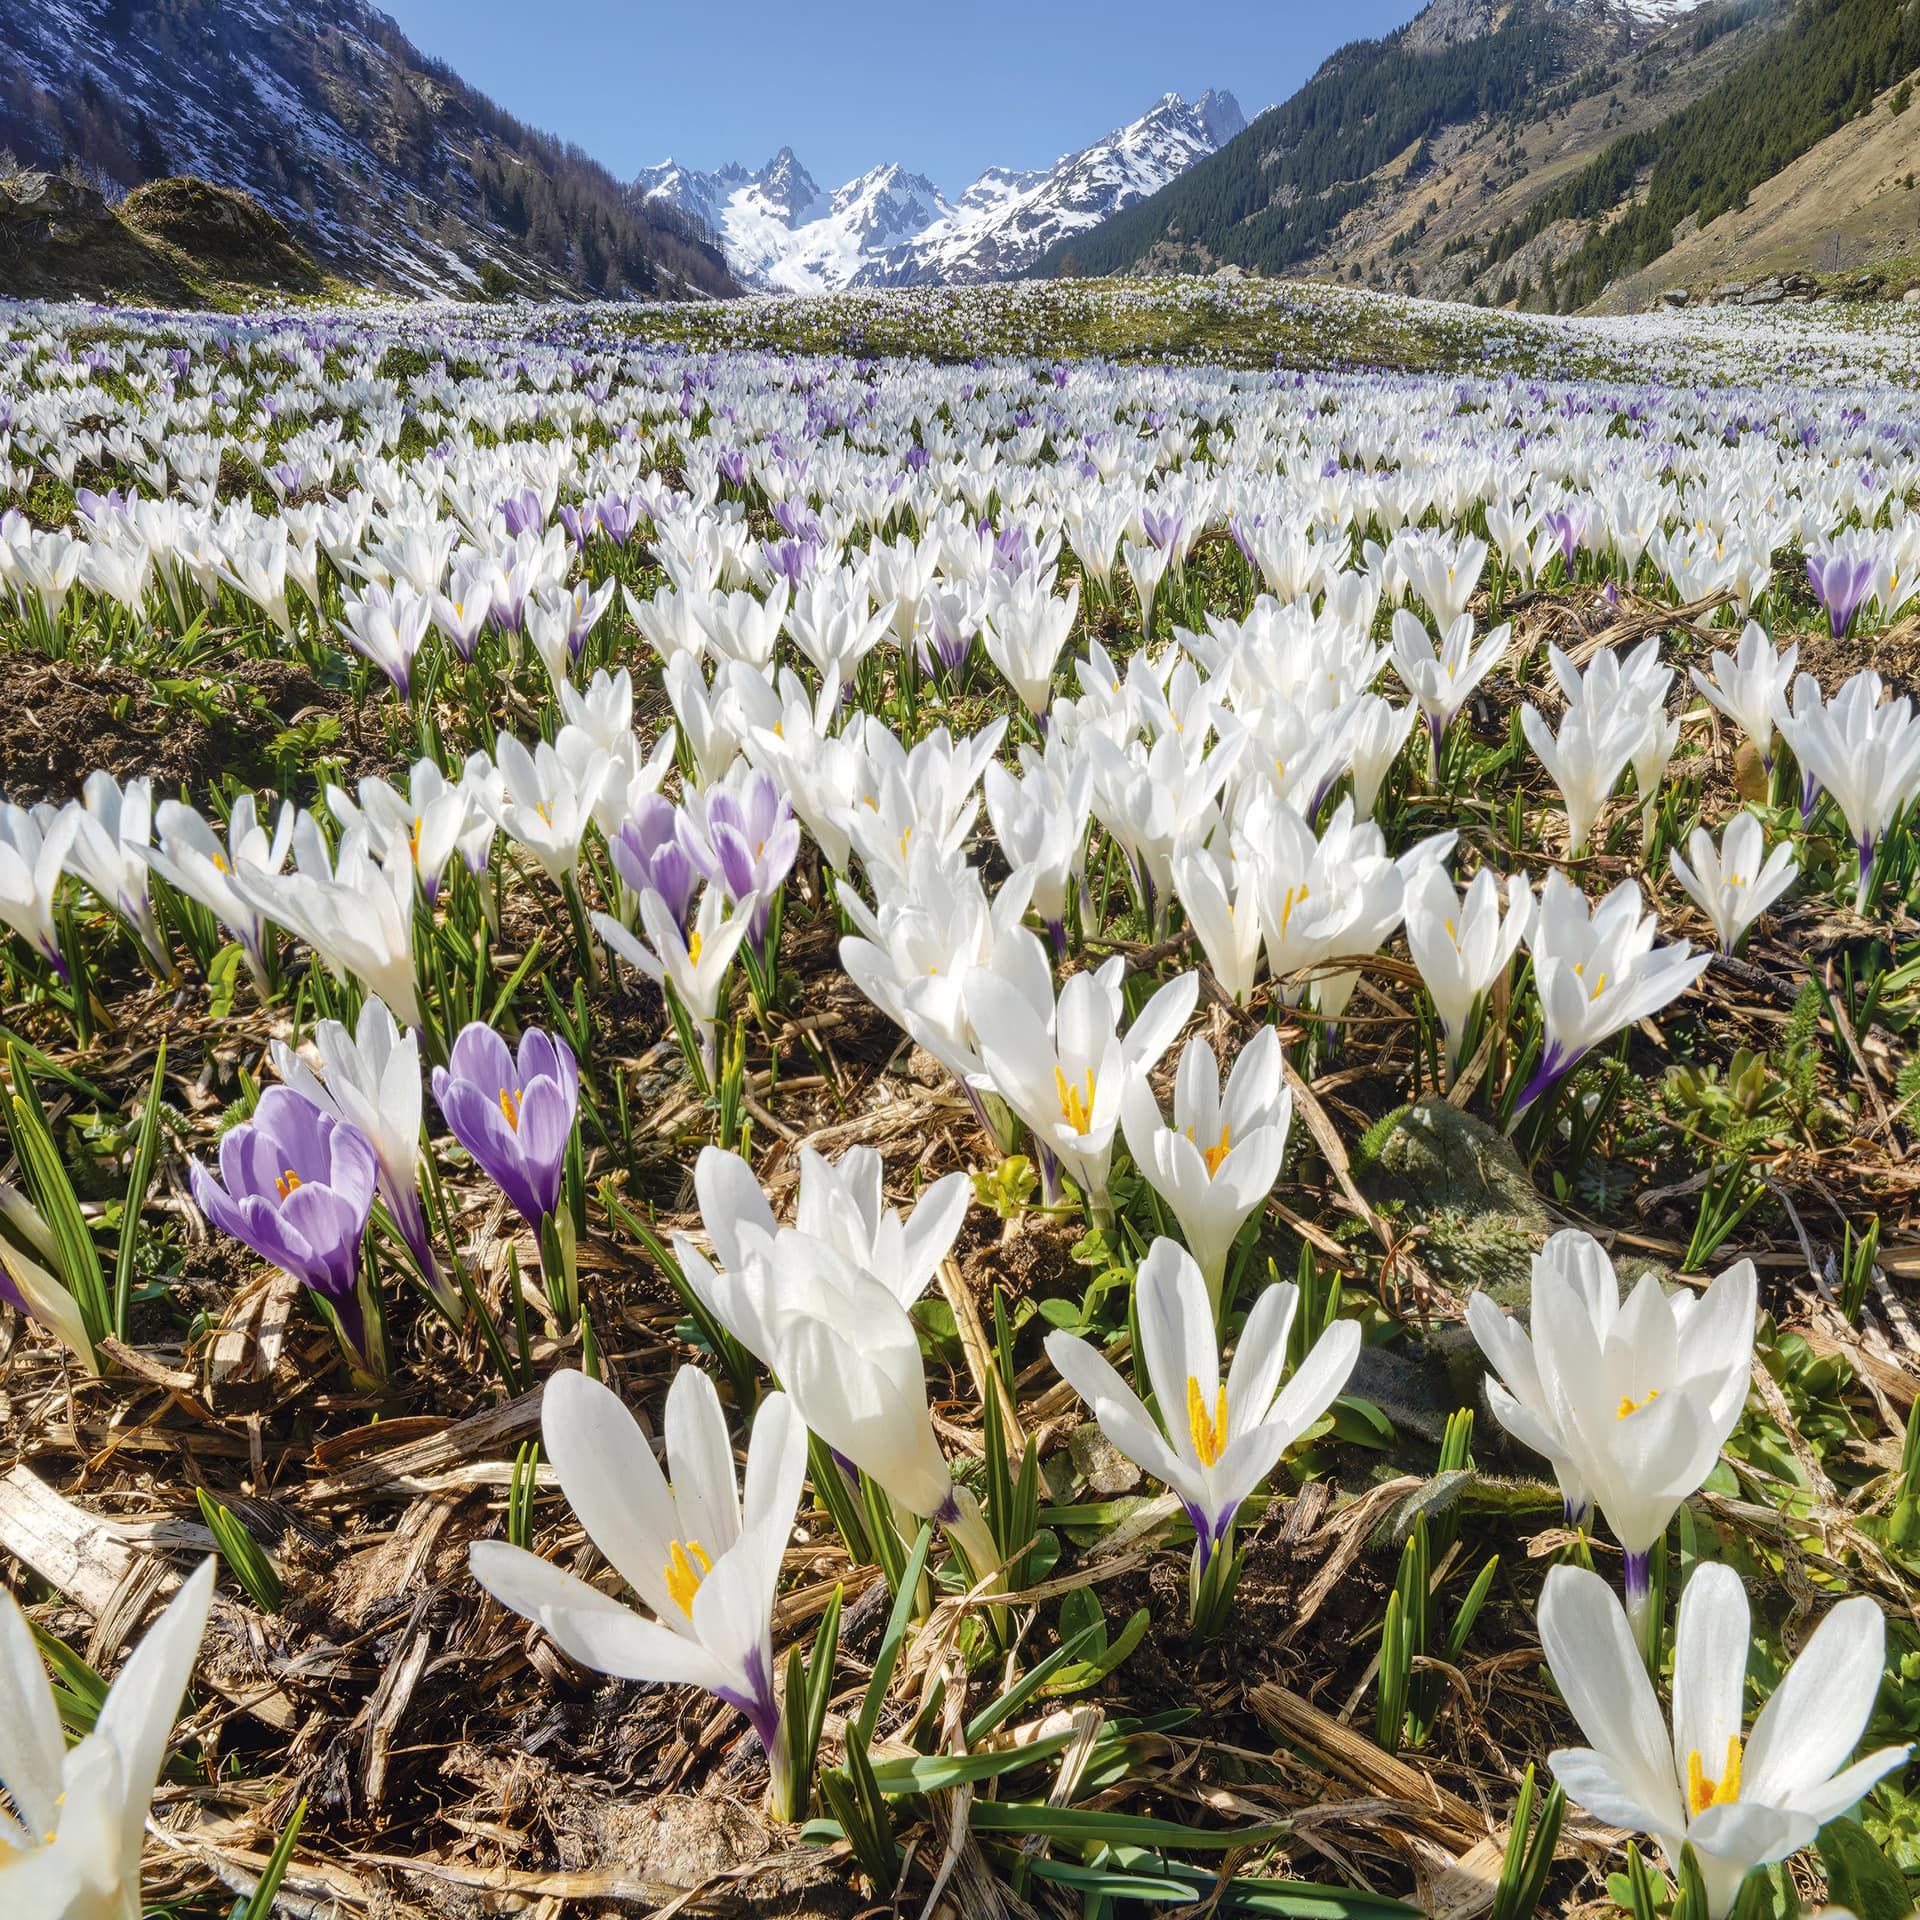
x,y
840,1342
548,803
1750,687
913,957
1443,679
1597,972
842,1203
703,1553
693,964
26,1241
34,843
1026,627
355,913
1863,749
1586,758
1215,1440
1462,945
1630,1401
1224,915
192,858
370,1078
70,1849
113,834
1740,1804
386,625
1735,883
1376,731
1040,821
424,825
1217,1163
1062,1067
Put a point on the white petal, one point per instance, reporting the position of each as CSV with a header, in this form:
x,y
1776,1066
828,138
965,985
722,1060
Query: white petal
x,y
145,1697
1709,1668
611,1479
1593,1659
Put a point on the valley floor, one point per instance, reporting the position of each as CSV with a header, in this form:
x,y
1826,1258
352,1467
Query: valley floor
x,y
699,846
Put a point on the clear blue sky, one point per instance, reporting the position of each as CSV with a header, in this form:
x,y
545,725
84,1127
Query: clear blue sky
x,y
946,90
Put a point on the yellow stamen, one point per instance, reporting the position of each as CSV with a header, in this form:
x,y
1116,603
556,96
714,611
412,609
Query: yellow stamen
x,y
1630,1406
220,863
287,1182
682,1576
1209,1436
413,840
1295,895
1075,1108
510,1107
1214,1155
1702,1792
693,948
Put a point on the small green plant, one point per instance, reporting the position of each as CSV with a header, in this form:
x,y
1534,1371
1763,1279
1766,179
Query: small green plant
x,y
1406,1701
245,1557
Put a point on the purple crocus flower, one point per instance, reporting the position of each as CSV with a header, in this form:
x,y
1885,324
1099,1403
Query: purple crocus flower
x,y
580,523
1566,532
523,513
514,1116
296,1185
649,856
1163,529
619,514
1011,551
1840,582
749,846
731,466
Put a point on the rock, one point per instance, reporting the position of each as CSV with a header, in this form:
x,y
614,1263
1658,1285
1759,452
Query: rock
x,y
1911,298
1801,285
1730,290
1769,293
1442,1169
1674,296
1107,1471
1864,285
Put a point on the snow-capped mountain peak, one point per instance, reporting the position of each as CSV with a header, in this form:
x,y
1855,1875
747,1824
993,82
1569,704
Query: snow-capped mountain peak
x,y
890,227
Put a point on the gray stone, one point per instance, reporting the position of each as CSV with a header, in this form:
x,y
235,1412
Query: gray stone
x,y
1730,290
1911,298
1442,1169
1768,294
1674,296
1105,1468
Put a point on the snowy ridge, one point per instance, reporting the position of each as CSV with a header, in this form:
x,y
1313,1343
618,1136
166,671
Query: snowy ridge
x,y
894,228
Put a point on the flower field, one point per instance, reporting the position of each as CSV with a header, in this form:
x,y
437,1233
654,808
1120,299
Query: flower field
x,y
1063,1099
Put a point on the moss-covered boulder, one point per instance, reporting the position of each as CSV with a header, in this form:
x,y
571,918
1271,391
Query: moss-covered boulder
x,y
1437,1167
1433,1166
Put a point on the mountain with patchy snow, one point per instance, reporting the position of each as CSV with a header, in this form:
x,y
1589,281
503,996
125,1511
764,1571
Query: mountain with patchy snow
x,y
386,164
890,227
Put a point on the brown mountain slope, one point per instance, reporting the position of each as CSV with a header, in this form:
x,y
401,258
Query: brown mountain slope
x,y
1422,232
1852,203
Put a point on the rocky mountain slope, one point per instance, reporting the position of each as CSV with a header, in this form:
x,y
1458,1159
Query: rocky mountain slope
x,y
890,227
1450,126
1557,152
385,164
